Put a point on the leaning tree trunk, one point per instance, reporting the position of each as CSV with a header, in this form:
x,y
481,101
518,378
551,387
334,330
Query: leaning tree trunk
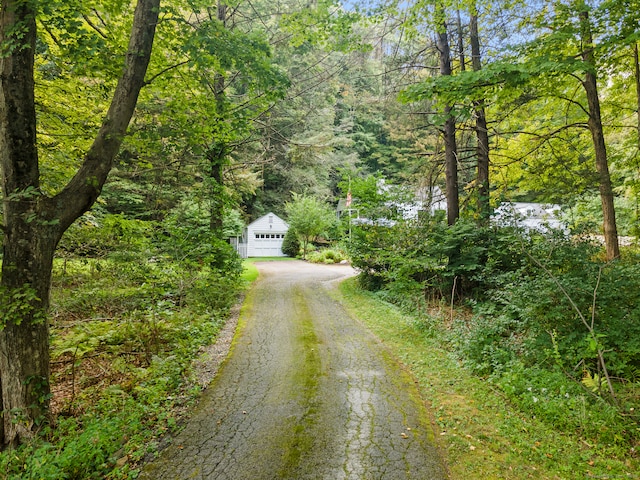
x,y
34,223
482,134
597,134
449,133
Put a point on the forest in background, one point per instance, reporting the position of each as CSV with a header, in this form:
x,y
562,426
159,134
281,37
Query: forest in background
x,y
253,107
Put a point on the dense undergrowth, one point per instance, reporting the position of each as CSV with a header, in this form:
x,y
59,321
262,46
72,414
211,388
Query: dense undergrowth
x,y
132,304
481,432
540,316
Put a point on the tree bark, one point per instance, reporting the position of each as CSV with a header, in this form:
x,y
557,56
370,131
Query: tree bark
x,y
216,156
590,85
34,223
449,133
219,150
636,64
482,134
461,57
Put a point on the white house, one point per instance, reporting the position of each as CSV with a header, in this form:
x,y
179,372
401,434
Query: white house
x,y
427,199
530,216
263,237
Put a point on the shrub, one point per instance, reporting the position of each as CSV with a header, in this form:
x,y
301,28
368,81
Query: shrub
x,y
490,341
326,256
291,244
430,257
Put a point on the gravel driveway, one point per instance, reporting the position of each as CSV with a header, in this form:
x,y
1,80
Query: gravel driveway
x,y
305,393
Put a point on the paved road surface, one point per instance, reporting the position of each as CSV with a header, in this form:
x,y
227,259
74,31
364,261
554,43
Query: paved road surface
x,y
306,393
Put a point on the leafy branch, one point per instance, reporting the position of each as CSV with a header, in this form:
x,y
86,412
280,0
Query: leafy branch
x,y
589,325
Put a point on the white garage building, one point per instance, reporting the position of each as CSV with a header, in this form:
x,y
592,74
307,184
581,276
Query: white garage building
x,y
263,237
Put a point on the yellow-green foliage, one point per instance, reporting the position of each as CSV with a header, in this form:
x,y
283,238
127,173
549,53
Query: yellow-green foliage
x,y
327,256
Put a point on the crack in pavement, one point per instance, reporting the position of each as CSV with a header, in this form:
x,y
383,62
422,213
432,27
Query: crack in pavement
x,y
306,393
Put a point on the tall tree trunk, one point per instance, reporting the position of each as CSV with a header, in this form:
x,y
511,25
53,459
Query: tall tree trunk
x,y
636,68
636,64
219,150
461,57
590,85
482,134
217,159
27,249
449,133
34,223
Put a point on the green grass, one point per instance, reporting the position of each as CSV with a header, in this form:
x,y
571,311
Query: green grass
x,y
481,434
250,272
268,259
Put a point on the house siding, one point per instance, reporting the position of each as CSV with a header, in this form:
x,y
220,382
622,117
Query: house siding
x,y
265,235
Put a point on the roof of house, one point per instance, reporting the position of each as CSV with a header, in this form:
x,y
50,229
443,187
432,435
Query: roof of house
x,y
277,220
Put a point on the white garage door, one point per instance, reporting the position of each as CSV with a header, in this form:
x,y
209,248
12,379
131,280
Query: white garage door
x,y
268,244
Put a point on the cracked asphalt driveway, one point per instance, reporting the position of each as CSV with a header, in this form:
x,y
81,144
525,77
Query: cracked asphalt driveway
x,y
306,393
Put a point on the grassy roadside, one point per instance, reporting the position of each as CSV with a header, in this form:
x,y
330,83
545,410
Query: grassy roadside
x,y
482,435
250,272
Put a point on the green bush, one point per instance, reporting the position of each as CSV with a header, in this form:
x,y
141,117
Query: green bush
x,y
291,244
213,292
543,319
82,448
326,256
429,258
490,341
